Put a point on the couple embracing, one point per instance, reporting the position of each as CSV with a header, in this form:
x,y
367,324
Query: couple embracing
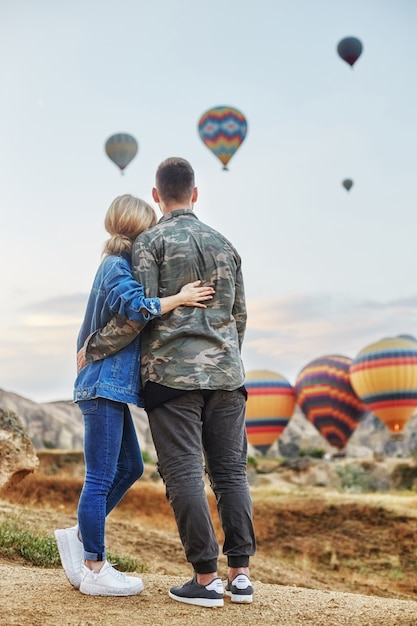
x,y
163,329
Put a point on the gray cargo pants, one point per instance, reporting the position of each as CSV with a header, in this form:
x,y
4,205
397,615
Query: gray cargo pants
x,y
209,425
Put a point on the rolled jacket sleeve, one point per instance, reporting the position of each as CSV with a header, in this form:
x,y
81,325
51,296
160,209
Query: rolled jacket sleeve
x,y
127,298
119,311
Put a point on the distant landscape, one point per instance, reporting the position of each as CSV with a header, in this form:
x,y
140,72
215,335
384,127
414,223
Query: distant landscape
x,y
58,425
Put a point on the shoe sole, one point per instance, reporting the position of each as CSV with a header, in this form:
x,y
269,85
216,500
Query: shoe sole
x,y
240,599
66,560
207,602
96,590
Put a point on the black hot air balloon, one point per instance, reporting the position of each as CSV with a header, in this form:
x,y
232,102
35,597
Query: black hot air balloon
x,y
347,183
350,49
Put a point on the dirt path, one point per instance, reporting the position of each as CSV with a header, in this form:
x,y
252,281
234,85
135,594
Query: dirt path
x,y
38,597
143,526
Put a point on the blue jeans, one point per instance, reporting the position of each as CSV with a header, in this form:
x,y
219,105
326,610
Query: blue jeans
x,y
209,425
113,462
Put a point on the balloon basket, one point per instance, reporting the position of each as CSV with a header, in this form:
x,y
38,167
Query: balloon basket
x,y
397,437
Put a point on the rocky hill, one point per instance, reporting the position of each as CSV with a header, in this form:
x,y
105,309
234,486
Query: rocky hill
x,y
59,425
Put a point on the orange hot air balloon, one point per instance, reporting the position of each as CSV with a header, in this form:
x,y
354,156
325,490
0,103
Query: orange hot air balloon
x,y
384,375
270,405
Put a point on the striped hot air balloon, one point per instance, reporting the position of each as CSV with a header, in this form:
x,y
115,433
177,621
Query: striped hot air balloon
x,y
270,405
223,129
384,375
324,393
121,149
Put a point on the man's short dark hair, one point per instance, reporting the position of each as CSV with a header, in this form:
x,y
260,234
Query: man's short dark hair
x,y
175,180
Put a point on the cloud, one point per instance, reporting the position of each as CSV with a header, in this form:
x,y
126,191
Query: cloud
x,y
39,363
60,305
38,348
284,334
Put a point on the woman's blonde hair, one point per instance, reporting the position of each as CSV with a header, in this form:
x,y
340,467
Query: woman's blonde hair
x,y
126,217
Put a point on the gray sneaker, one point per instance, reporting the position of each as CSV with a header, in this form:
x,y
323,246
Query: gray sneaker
x,y
71,551
239,589
108,582
200,595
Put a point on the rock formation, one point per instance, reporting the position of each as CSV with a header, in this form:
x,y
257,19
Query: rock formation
x,y
17,453
59,425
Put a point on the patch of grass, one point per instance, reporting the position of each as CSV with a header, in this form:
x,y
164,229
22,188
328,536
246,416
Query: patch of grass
x,y
396,574
314,453
126,563
357,565
17,540
36,548
147,457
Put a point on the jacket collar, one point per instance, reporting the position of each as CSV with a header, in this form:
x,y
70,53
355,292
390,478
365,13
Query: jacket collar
x,y
177,213
127,256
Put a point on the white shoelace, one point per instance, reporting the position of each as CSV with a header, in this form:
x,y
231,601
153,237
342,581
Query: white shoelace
x,y
119,575
116,573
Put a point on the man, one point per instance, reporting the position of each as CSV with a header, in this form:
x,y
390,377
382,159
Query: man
x,y
192,378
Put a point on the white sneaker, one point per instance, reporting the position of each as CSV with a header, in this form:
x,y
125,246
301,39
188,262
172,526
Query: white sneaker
x,y
240,589
108,582
71,552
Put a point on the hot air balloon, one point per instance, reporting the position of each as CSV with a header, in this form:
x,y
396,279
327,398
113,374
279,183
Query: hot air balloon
x,y
223,129
325,396
270,405
347,183
121,149
350,49
384,376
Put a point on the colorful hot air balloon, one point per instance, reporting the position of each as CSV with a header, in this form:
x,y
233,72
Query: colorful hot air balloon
x,y
270,405
121,149
223,129
347,183
384,375
350,49
325,396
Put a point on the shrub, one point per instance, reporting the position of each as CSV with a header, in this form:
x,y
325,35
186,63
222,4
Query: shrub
x,y
40,549
353,478
147,457
404,476
314,453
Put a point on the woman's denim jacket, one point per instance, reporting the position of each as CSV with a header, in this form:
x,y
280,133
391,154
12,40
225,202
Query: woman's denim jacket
x,y
114,291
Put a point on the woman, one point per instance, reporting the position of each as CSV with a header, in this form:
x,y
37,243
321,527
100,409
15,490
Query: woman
x,y
103,390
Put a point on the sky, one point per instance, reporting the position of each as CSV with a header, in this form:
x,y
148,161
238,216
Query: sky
x,y
326,271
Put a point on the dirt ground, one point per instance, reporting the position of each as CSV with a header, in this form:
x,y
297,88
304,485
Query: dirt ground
x,y
323,558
